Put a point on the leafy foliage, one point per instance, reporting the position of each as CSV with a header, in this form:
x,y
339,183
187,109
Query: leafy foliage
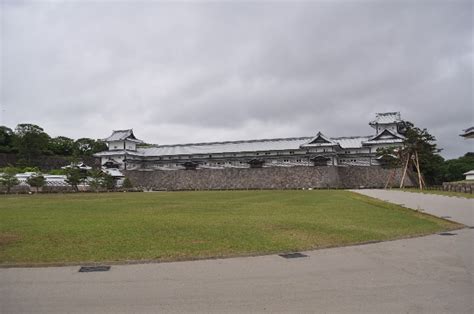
x,y
30,141
418,142
6,140
8,178
108,182
95,179
127,184
62,145
74,177
88,147
454,169
36,181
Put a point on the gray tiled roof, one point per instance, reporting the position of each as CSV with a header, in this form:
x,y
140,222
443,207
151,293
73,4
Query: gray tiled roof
x,y
386,117
351,142
120,135
280,144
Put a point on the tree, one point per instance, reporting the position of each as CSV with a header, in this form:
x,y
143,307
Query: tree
x,y
419,153
454,169
420,146
74,177
88,147
36,181
8,178
31,141
6,139
95,179
108,182
62,145
127,184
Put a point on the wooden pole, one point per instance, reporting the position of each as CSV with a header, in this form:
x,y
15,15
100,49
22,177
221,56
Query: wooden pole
x,y
418,170
404,171
392,174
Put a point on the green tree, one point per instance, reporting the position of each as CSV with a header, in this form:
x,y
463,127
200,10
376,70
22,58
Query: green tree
x,y
422,145
88,147
127,184
454,169
95,179
8,178
36,181
74,177
417,152
31,141
108,181
62,145
6,140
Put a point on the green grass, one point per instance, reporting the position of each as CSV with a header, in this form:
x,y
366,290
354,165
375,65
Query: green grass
x,y
73,228
440,192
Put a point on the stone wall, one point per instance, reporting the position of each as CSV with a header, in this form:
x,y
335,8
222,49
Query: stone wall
x,y
265,178
463,187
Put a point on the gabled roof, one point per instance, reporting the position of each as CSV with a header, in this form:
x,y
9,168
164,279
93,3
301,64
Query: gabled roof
x,y
276,144
386,118
385,137
121,135
468,133
320,140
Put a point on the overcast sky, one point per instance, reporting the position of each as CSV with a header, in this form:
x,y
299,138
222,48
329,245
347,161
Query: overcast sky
x,y
198,72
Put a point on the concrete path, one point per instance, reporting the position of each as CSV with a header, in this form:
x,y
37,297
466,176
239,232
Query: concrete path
x,y
432,274
453,208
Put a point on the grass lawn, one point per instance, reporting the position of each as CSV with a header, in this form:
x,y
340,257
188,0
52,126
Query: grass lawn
x,y
73,228
439,192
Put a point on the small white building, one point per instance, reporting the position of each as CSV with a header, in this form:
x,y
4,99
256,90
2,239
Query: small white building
x,y
469,175
469,134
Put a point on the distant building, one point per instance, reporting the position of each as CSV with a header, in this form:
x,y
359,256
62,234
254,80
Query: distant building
x,y
469,175
468,133
124,150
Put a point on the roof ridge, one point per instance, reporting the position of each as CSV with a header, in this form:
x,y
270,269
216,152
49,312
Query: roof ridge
x,y
124,130
387,113
350,137
235,142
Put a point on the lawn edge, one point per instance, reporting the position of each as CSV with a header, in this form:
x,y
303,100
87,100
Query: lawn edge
x,y
216,257
456,226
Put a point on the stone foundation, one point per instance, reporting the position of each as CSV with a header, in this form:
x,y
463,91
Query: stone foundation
x,y
298,177
462,187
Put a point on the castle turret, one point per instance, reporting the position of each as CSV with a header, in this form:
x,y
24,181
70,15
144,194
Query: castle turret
x,y
122,140
122,149
386,121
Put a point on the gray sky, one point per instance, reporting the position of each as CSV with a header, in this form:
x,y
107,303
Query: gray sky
x,y
197,72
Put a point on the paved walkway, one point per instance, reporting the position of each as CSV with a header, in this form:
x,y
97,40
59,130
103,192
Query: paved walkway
x,y
453,208
432,274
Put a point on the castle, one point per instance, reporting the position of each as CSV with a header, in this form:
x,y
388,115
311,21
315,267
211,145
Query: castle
x,y
125,151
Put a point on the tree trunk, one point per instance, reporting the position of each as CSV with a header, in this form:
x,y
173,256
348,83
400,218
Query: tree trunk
x,y
390,177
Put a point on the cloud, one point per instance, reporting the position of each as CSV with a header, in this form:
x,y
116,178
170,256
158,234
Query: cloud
x,y
192,72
